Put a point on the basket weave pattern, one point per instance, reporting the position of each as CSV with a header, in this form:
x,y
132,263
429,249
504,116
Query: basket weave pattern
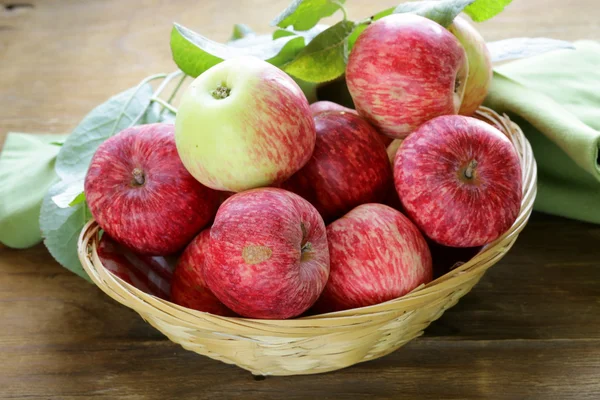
x,y
325,342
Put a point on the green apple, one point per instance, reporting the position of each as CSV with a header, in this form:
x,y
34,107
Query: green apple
x,y
479,77
244,124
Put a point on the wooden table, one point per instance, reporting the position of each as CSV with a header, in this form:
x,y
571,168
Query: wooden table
x,y
530,329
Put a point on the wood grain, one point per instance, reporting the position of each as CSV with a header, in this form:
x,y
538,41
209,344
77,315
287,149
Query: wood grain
x,y
529,329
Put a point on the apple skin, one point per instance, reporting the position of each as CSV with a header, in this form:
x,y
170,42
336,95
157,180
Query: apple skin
x,y
377,254
258,134
405,70
268,255
349,166
322,106
325,105
392,149
140,193
459,180
188,288
150,274
479,77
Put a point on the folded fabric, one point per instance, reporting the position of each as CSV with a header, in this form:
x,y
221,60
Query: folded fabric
x,y
555,99
26,173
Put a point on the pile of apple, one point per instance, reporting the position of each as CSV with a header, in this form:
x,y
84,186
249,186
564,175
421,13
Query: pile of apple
x,y
279,206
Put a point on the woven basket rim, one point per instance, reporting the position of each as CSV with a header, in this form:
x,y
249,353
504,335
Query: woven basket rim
x,y
142,302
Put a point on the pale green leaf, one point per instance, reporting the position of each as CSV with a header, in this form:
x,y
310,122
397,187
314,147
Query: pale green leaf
x,y
104,121
61,228
443,12
194,53
241,31
26,173
324,58
482,10
510,49
304,14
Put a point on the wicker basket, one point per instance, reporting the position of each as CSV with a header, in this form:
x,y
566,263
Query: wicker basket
x,y
319,343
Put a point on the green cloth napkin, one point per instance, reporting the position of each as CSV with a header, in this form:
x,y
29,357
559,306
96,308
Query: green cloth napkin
x,y
26,173
555,99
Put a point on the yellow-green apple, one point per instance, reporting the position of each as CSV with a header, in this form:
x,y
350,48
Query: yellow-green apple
x,y
188,288
480,65
244,124
376,254
349,166
140,193
459,180
268,255
404,70
325,105
150,274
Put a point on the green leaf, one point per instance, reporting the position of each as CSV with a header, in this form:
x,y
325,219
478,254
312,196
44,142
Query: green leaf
x,y
279,33
72,191
153,115
304,14
194,53
241,31
61,228
482,10
79,199
26,174
104,121
443,12
324,59
510,49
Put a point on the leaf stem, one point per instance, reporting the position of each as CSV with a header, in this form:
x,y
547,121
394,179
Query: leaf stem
x,y
173,93
341,6
164,104
139,86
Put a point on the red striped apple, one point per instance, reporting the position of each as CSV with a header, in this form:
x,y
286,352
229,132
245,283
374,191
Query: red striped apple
x,y
188,288
268,255
349,166
244,124
404,70
140,193
150,274
377,254
325,105
459,179
480,65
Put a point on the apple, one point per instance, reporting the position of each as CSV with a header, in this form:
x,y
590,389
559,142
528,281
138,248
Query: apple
x,y
188,288
479,77
377,255
459,179
349,166
268,255
140,193
405,70
324,106
150,274
244,123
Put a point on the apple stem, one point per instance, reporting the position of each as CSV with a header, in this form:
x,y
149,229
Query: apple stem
x,y
221,92
457,83
470,169
138,176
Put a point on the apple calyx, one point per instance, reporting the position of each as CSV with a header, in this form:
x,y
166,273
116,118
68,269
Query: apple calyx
x,y
469,172
221,92
305,246
138,177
